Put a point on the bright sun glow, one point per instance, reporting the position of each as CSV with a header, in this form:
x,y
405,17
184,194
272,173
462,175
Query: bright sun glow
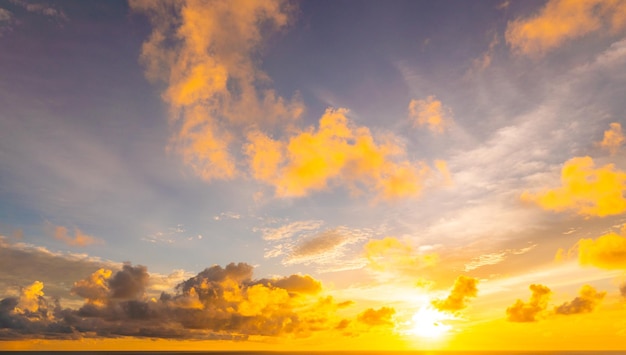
x,y
428,323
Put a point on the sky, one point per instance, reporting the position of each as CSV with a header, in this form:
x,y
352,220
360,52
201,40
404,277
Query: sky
x,y
326,175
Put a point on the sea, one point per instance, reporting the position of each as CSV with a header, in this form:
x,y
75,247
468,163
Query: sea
x,y
422,352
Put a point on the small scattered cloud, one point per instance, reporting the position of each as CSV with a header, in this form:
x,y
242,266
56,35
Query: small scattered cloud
x,y
560,21
78,238
586,302
373,317
585,189
484,61
226,215
463,289
532,310
613,138
430,113
41,9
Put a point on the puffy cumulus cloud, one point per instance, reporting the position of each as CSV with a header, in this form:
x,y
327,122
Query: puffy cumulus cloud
x,y
586,302
217,303
607,251
563,20
585,189
373,317
337,153
430,113
613,138
206,52
533,309
79,238
391,254
463,289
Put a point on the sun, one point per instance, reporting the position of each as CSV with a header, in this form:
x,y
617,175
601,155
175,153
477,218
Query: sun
x,y
428,323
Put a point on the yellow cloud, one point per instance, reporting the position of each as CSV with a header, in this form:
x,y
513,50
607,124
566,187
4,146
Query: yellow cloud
x,y
204,52
607,251
391,254
336,153
613,138
586,302
430,113
374,317
563,20
531,311
585,189
95,288
30,297
464,288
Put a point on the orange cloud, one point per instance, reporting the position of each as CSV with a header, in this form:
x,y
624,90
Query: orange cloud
x,y
205,53
430,113
336,153
585,189
607,251
531,311
613,138
563,20
374,317
464,288
586,302
78,239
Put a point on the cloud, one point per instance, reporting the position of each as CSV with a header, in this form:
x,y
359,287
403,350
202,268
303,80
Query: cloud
x,y
531,311
606,252
463,289
79,238
391,254
484,61
206,54
5,15
495,258
430,113
41,9
585,189
613,138
337,153
586,302
289,230
217,303
378,317
327,247
560,21
622,289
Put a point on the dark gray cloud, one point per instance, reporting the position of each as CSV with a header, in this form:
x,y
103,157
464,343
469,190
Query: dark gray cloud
x,y
217,303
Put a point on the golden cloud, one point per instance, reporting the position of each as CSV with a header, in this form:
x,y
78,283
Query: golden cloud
x,y
533,309
205,52
336,153
607,251
391,254
585,189
373,317
430,113
613,138
563,20
463,289
586,302
217,303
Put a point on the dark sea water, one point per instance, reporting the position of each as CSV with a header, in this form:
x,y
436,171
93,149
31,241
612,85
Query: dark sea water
x,y
423,352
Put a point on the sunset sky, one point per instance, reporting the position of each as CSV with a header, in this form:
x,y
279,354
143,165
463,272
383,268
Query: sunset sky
x,y
319,175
